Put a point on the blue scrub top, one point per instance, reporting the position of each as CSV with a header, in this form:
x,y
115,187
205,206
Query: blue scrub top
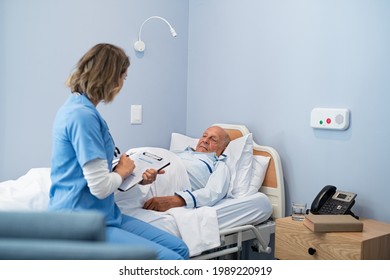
x,y
80,135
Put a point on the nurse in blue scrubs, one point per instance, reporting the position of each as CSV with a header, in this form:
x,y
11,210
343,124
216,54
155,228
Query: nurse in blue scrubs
x,y
83,149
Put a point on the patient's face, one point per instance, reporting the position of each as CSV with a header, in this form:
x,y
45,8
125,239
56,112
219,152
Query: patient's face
x,y
212,140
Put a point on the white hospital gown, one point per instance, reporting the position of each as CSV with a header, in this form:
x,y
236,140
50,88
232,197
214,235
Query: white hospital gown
x,y
209,177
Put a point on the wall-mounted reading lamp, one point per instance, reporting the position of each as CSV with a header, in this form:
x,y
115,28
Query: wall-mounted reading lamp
x,y
139,46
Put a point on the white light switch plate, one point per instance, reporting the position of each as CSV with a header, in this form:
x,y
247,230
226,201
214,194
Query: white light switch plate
x,y
136,114
329,118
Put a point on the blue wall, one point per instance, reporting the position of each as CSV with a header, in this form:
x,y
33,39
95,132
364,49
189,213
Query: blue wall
x,y
41,42
267,64
262,63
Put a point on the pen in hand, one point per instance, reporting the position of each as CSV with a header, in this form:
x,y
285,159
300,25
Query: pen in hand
x,y
117,152
125,166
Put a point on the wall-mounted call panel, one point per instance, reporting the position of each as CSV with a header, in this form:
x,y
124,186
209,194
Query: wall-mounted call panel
x,y
330,118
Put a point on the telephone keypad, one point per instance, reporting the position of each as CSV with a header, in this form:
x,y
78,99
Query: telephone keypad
x,y
333,207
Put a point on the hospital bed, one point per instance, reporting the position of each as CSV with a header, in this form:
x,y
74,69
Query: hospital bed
x,y
247,214
255,199
272,186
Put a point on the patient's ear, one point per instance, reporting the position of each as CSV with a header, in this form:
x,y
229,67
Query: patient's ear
x,y
220,151
222,148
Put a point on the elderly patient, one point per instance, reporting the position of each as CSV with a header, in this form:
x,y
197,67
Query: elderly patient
x,y
208,173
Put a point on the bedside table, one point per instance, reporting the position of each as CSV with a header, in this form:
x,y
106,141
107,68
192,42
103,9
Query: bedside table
x,y
294,241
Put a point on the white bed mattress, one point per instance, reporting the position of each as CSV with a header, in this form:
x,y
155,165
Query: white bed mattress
x,y
31,192
244,207
199,227
253,209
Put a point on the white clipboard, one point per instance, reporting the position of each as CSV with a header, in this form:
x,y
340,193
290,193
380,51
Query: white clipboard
x,y
143,161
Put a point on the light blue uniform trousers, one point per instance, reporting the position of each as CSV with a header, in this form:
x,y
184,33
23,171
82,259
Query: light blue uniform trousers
x,y
132,231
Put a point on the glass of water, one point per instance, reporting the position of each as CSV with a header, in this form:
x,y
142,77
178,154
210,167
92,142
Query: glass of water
x,y
298,211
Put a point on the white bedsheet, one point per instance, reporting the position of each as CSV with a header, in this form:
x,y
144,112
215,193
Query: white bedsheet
x,y
31,192
28,192
253,209
198,228
200,234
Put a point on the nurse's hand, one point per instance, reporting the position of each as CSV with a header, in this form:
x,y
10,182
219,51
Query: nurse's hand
x,y
150,175
125,166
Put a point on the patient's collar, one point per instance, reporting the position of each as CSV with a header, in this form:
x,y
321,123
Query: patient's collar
x,y
222,157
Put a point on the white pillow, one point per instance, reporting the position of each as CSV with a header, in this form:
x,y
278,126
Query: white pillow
x,y
259,169
179,142
239,159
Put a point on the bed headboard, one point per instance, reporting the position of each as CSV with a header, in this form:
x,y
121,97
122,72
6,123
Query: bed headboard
x,y
273,185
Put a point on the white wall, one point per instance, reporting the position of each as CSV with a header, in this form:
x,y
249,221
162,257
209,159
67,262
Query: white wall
x,y
41,42
267,64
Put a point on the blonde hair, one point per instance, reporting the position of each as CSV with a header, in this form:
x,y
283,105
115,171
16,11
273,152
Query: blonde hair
x,y
98,73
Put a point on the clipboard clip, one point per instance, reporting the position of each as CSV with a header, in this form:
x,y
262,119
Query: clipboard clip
x,y
153,156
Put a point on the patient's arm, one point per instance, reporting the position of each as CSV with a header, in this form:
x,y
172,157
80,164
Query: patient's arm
x,y
163,203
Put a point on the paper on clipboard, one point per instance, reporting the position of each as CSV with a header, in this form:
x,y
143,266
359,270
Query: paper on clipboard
x,y
143,161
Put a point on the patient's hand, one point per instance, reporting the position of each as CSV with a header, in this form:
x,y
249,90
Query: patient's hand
x,y
163,203
150,175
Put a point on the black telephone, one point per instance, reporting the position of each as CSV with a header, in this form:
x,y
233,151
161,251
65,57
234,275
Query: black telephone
x,y
331,201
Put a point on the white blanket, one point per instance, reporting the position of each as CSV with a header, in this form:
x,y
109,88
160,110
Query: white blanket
x,y
197,227
28,192
31,192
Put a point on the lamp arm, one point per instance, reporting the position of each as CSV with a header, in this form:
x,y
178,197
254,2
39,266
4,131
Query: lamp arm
x,y
139,46
173,32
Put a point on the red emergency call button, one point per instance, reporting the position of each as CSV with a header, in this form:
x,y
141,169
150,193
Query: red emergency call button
x,y
328,120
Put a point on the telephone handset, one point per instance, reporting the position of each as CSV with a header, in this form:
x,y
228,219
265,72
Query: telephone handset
x,y
333,202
